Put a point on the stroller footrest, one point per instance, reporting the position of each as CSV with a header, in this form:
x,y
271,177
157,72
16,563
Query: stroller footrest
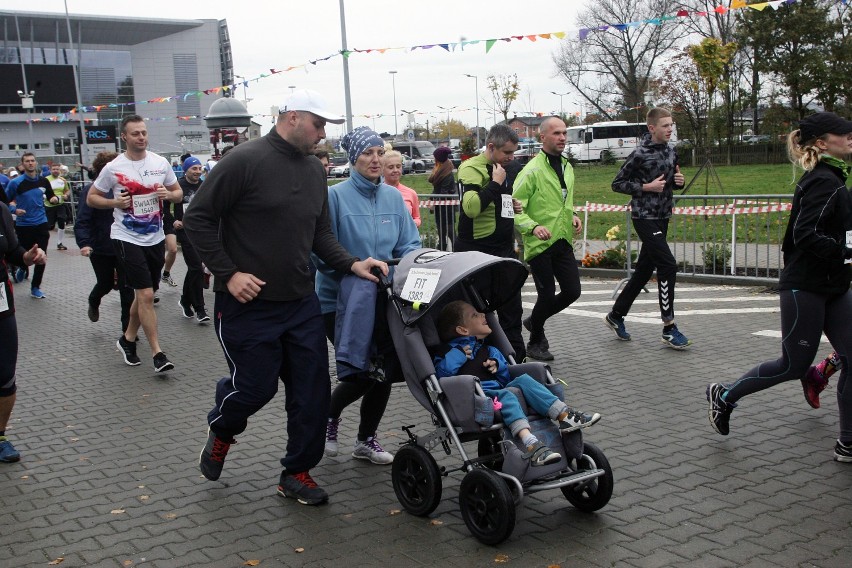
x,y
576,478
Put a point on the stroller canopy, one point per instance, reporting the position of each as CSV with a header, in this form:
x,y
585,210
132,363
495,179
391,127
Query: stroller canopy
x,y
424,275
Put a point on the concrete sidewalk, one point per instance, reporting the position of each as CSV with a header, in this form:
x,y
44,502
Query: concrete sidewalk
x,y
109,473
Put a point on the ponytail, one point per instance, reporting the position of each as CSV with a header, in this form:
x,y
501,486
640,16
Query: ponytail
x,y
805,155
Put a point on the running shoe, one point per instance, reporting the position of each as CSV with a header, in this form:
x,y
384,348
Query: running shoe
x,y
60,246
94,312
21,275
167,278
331,446
719,412
616,324
675,339
185,309
8,453
576,420
541,339
539,351
37,294
201,315
128,351
813,383
302,488
371,450
843,452
539,455
162,363
212,458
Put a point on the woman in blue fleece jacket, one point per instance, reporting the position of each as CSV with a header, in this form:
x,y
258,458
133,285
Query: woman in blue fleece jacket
x,y
370,219
464,330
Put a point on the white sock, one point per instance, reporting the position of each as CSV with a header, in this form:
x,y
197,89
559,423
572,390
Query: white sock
x,y
60,236
529,440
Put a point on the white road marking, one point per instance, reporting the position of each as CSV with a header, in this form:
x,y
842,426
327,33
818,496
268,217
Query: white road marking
x,y
777,334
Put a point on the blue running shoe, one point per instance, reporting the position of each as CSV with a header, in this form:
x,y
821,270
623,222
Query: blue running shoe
x,y
37,294
8,453
616,324
675,339
20,275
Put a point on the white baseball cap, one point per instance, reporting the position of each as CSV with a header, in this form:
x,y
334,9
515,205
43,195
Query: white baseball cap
x,y
312,102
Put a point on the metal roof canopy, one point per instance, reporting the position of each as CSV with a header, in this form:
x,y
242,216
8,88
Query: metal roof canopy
x,y
102,30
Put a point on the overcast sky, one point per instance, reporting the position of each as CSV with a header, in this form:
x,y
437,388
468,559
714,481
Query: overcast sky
x,y
287,33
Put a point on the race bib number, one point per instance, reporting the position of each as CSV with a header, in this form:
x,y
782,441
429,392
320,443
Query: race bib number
x,y
420,284
508,209
848,245
145,204
4,299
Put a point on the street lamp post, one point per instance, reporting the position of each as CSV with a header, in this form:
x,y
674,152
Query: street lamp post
x,y
292,88
393,80
476,79
448,120
27,104
560,95
245,91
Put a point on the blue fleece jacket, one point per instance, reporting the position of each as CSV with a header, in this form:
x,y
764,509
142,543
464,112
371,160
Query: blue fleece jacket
x,y
449,364
368,219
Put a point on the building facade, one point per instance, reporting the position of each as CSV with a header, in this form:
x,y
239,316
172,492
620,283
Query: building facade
x,y
120,61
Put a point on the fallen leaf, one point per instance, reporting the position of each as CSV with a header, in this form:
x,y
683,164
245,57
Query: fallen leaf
x,y
75,439
55,562
300,550
554,566
251,562
171,516
395,511
116,511
501,559
436,522
127,563
25,477
140,487
143,497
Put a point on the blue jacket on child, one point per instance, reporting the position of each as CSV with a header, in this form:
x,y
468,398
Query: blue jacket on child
x,y
449,364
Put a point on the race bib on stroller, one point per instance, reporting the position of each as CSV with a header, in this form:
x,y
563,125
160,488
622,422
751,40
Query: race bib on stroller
x,y
420,284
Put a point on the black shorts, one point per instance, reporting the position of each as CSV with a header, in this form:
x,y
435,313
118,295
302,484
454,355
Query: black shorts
x,y
143,265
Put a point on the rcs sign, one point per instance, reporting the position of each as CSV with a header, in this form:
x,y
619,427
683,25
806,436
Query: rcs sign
x,y
100,134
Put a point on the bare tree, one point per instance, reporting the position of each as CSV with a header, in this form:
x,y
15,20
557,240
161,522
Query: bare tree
x,y
613,64
504,91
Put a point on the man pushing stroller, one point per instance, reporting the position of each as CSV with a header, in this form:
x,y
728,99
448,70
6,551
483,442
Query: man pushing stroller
x,y
463,329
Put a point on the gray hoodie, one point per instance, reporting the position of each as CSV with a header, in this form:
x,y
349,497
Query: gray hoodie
x,y
645,164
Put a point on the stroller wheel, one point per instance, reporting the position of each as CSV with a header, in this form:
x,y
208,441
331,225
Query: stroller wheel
x,y
591,496
488,446
487,506
416,480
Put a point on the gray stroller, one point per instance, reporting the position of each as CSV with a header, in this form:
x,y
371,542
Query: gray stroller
x,y
498,477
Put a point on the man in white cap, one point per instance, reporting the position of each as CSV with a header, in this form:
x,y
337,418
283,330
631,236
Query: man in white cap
x,y
260,213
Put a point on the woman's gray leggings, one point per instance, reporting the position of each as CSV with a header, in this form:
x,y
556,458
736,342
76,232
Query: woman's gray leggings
x,y
804,317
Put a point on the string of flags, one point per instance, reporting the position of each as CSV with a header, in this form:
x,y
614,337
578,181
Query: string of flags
x,y
449,47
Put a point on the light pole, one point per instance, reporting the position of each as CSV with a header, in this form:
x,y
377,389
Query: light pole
x,y
27,104
476,79
448,120
245,92
560,95
292,88
393,80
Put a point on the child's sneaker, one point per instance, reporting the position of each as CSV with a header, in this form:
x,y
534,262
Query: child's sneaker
x,y
8,453
575,420
539,455
813,383
842,452
331,445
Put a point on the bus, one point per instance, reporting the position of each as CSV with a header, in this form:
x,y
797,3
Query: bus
x,y
588,142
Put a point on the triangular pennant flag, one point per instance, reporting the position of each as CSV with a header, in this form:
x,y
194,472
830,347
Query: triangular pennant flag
x,y
775,4
346,53
759,7
620,27
489,43
654,21
531,37
584,33
682,14
560,35
445,46
544,36
720,10
737,4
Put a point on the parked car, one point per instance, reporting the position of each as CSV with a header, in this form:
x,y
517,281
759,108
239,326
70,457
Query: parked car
x,y
418,150
410,165
527,152
456,158
340,171
757,139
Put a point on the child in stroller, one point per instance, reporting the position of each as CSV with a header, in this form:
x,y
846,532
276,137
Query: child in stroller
x,y
463,329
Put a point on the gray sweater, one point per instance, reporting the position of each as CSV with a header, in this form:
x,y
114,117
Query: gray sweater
x,y
262,209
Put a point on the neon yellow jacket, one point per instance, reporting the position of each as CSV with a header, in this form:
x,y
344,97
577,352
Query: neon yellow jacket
x,y
540,193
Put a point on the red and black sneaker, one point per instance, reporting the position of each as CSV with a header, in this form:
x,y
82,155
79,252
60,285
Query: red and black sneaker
x,y
813,383
302,488
213,454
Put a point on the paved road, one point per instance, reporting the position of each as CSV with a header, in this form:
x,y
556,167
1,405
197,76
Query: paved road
x,y
109,472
